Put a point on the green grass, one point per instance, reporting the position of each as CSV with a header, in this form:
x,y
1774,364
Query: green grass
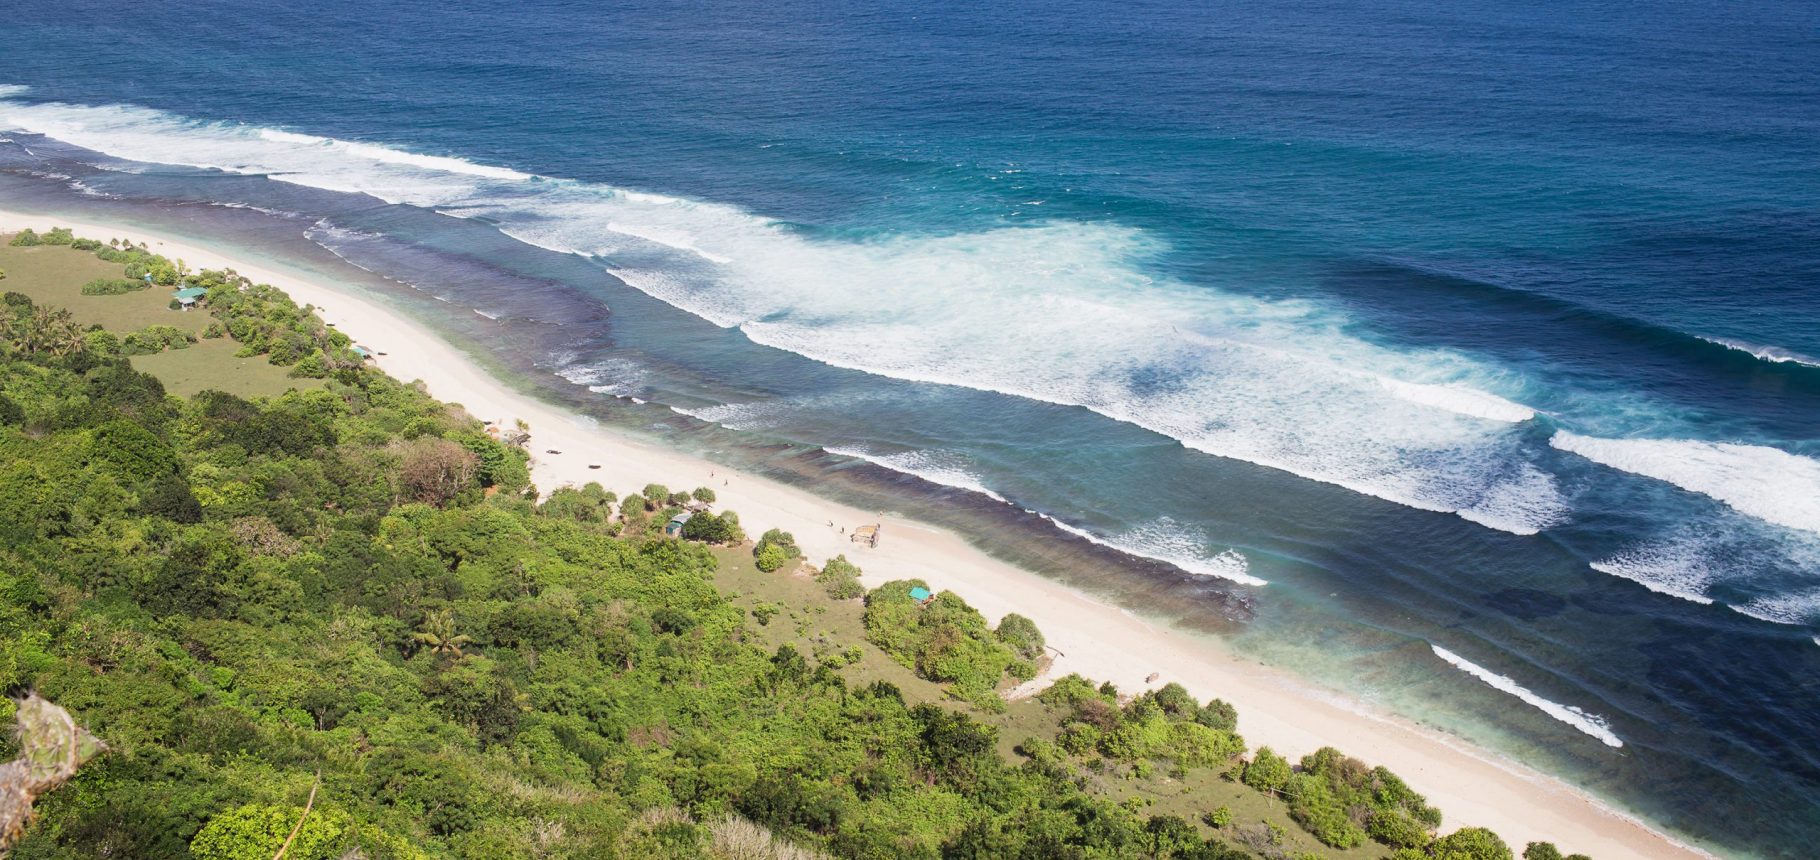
x,y
211,364
816,625
54,274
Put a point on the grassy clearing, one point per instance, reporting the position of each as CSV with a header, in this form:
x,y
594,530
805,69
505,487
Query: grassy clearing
x,y
211,364
796,611
54,274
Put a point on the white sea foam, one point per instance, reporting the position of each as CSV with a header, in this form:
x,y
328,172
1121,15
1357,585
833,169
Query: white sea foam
x,y
1775,354
1225,564
1676,568
936,467
1062,311
1460,400
1591,724
1767,483
1798,608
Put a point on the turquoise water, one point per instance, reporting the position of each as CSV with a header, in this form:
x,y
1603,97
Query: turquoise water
x,y
1426,352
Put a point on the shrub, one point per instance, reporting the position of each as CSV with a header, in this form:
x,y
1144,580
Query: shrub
x,y
1267,772
1219,819
1470,843
1021,635
774,550
710,529
770,557
840,579
945,640
112,286
256,832
155,339
703,495
26,238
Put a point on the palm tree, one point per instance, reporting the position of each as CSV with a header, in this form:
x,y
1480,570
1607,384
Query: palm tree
x,y
439,634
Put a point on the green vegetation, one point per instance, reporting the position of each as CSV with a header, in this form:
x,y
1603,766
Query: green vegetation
x,y
840,578
1548,851
155,339
1160,726
774,550
348,599
113,286
943,640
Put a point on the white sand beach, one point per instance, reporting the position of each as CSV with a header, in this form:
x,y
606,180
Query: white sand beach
x,y
1099,641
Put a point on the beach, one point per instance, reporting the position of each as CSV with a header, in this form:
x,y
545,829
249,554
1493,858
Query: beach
x,y
1093,639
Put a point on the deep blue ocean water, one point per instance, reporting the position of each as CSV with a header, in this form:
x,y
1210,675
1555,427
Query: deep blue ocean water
x,y
1404,347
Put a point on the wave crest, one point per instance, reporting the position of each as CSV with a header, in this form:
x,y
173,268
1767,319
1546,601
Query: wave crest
x,y
1591,724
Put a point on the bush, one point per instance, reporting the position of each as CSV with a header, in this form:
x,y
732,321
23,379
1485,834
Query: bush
x,y
770,557
708,528
1267,772
840,579
256,832
775,549
1470,843
1021,635
112,287
156,339
945,640
26,239
703,495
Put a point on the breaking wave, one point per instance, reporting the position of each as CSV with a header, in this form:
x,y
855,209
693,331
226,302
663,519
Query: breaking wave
x,y
1591,724
1767,483
1066,312
1774,354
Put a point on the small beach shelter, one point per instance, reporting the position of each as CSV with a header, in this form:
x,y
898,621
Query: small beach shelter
x,y
867,535
363,352
674,527
920,594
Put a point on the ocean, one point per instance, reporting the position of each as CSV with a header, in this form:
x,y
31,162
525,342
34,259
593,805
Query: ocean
x,y
1462,358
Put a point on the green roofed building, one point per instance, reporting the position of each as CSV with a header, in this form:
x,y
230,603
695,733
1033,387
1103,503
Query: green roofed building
x,y
189,296
920,594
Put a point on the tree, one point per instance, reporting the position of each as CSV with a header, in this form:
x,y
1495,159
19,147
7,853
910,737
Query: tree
x,y
433,471
257,832
703,495
770,557
840,579
708,529
1267,772
654,495
1021,634
1470,843
438,634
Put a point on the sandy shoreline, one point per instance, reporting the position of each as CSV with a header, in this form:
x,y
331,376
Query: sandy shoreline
x,y
1099,641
